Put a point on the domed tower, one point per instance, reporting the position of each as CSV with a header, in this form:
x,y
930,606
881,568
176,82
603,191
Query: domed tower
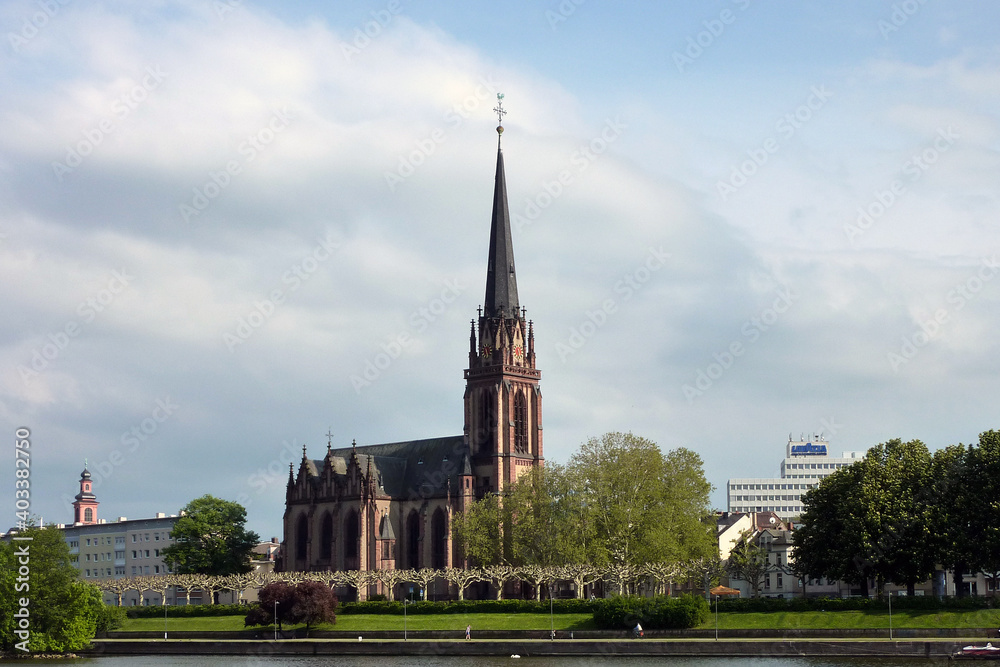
x,y
503,400
85,505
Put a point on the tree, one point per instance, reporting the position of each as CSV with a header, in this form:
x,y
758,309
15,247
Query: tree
x,y
479,530
210,538
274,605
748,561
313,603
640,505
871,520
544,511
983,518
310,602
63,611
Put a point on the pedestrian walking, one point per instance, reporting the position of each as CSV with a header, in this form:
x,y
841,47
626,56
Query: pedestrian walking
x,y
468,632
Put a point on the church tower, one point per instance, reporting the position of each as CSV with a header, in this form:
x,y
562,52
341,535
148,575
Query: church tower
x,y
85,505
503,401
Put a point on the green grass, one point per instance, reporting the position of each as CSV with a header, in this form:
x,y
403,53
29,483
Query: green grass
x,y
367,622
787,620
981,618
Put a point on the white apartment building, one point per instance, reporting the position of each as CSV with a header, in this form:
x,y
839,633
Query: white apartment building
x,y
807,461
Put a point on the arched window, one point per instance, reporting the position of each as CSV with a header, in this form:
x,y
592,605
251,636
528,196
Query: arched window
x,y
352,537
302,538
88,515
326,537
413,540
520,424
439,540
487,421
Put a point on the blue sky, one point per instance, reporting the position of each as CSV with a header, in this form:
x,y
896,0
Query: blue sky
x,y
733,221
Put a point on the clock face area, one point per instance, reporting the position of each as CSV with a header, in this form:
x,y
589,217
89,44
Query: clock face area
x,y
518,352
486,350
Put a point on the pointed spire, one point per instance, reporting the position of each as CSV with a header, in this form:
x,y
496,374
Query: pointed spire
x,y
501,282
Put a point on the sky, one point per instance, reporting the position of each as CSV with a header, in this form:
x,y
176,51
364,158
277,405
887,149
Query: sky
x,y
229,228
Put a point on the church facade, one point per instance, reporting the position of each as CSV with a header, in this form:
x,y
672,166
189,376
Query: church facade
x,y
390,506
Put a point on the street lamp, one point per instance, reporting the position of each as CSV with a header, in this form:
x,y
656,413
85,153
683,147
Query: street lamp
x,y
716,617
405,602
164,616
890,614
275,620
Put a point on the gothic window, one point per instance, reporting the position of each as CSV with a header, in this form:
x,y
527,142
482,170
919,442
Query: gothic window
x,y
439,540
520,424
487,421
326,537
413,540
352,537
301,537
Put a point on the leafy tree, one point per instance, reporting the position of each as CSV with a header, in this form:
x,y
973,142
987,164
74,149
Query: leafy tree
x,y
951,500
871,520
479,531
210,538
983,510
310,602
313,603
748,561
642,506
63,610
266,612
544,510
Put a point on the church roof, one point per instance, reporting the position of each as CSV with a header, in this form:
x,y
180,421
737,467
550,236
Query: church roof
x,y
408,469
501,281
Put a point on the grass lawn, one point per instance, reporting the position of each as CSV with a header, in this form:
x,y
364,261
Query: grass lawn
x,y
981,618
366,622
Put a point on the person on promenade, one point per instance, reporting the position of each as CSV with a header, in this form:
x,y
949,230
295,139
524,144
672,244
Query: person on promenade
x,y
468,632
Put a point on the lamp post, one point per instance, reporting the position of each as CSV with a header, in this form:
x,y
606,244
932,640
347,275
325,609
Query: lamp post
x,y
405,602
716,618
275,620
890,614
164,616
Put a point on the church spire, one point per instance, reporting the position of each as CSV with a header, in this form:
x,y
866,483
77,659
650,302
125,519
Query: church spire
x,y
501,282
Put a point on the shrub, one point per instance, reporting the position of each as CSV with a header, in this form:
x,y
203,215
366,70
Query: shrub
x,y
185,611
656,613
110,617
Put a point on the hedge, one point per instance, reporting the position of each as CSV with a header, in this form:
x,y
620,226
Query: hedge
x,y
573,606
184,611
655,613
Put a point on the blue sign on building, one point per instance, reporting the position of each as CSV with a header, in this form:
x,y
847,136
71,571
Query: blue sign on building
x,y
809,449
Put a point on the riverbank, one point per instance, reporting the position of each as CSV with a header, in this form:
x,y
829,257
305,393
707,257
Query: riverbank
x,y
929,648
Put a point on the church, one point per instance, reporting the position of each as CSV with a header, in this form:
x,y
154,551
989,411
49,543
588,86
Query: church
x,y
390,506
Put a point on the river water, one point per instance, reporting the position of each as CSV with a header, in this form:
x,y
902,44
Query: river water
x,y
462,661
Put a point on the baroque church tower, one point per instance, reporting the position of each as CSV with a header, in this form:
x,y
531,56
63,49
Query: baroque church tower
x,y
503,400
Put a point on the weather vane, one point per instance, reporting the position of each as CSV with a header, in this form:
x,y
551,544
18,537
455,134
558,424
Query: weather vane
x,y
501,112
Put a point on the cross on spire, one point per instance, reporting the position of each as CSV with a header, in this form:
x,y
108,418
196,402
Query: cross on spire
x,y
499,110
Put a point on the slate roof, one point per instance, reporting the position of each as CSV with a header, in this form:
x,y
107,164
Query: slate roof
x,y
412,468
501,281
